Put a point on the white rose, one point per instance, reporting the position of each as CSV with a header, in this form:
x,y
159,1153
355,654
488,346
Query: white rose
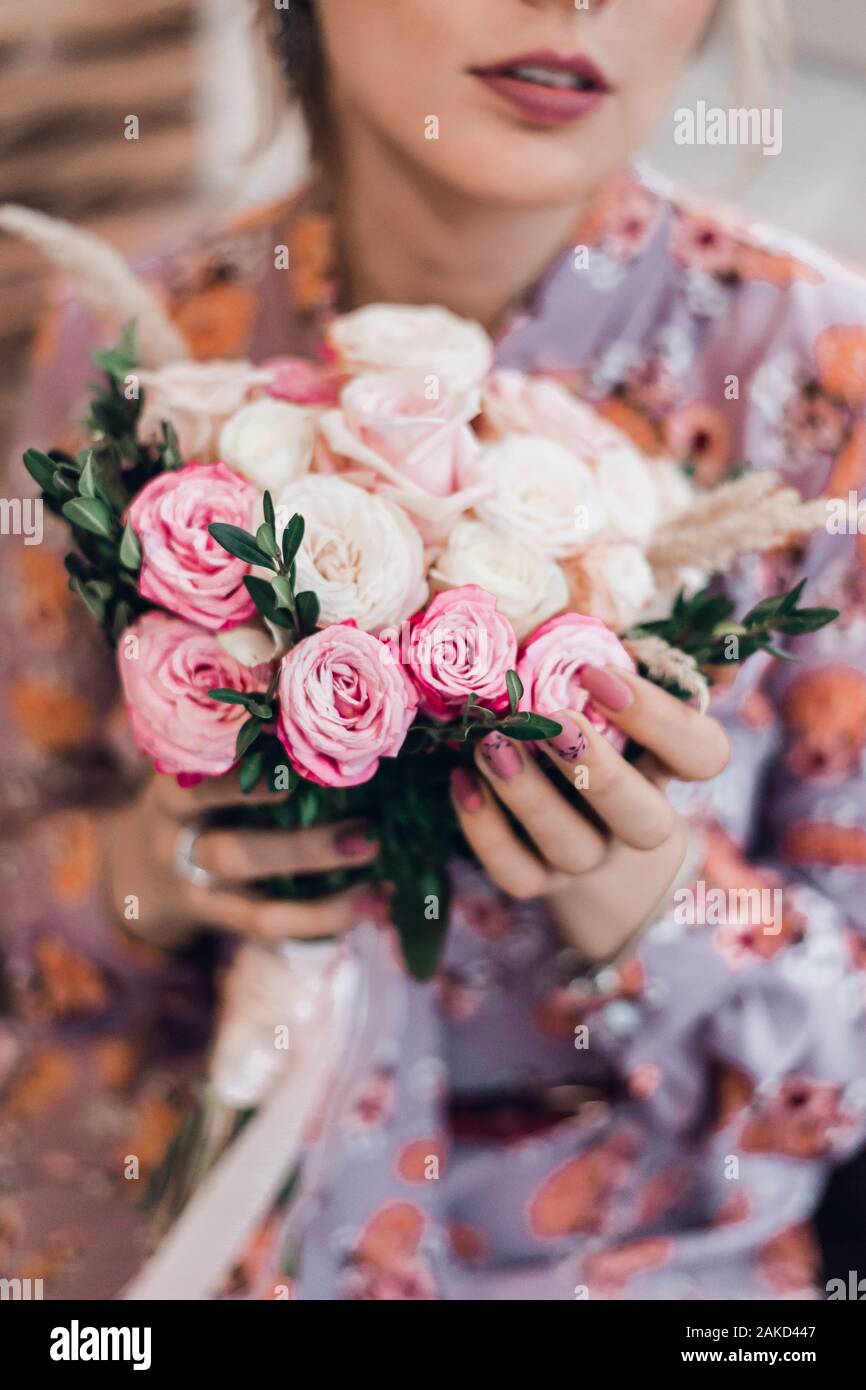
x,y
611,580
427,339
528,586
514,403
540,494
253,644
270,442
360,555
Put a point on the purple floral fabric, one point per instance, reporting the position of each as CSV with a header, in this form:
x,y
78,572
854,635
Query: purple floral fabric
x,y
661,1129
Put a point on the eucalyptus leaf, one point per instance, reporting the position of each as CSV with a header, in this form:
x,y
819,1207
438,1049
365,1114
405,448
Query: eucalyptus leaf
x,y
247,736
240,544
514,686
292,537
130,550
90,514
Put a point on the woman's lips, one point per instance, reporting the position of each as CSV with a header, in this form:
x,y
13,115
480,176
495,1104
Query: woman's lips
x,y
547,88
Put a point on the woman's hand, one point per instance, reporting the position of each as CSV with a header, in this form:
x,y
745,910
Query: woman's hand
x,y
601,881
145,873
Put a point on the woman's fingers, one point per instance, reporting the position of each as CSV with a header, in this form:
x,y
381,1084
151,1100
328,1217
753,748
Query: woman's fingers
x,y
212,794
511,865
564,837
272,919
632,805
246,855
692,745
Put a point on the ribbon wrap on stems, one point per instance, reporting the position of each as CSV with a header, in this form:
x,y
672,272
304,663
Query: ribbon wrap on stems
x,y
334,999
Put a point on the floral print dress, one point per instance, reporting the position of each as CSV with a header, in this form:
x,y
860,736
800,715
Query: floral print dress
x,y
662,1128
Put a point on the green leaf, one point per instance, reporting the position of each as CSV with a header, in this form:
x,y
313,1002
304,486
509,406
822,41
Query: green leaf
x,y
94,604
530,727
791,600
130,550
247,736
514,686
308,611
124,616
171,455
807,620
422,937
292,537
86,480
228,697
262,595
251,770
41,468
90,514
766,610
283,592
239,543
253,703
267,540
268,506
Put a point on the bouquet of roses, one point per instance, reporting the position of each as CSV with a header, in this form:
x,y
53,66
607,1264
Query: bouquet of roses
x,y
336,576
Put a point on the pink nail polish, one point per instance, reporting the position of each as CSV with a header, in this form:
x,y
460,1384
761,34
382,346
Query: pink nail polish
x,y
606,688
466,789
354,844
571,744
501,757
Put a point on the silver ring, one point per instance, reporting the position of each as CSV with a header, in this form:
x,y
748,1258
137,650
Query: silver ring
x,y
184,862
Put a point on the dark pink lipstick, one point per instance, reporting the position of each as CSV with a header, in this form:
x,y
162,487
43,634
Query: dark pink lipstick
x,y
545,87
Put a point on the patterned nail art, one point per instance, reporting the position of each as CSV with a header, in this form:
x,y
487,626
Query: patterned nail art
x,y
501,756
571,744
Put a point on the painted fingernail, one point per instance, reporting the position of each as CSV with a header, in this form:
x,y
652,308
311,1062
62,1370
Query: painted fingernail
x,y
501,756
354,844
467,789
607,688
571,744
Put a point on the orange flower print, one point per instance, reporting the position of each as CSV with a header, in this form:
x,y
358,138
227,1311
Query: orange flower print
x,y
775,268
386,1265
699,242
47,1078
44,596
849,470
311,262
413,1163
733,1088
51,718
576,1197
699,436
217,321
467,1244
791,1261
72,844
840,353
803,1118
66,983
825,844
609,1273
640,427
824,714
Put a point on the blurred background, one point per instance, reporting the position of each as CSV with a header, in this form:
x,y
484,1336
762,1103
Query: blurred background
x,y
70,75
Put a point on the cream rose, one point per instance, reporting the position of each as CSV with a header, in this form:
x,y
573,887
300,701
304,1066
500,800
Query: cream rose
x,y
528,586
610,580
196,398
541,495
428,339
361,554
270,442
516,403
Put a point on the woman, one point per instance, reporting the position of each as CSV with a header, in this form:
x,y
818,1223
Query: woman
x,y
624,1094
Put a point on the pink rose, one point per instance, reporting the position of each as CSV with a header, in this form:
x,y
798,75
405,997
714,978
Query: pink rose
x,y
167,667
182,567
344,704
302,382
460,646
196,398
390,437
550,666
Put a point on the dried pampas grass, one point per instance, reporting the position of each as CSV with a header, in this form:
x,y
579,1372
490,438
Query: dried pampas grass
x,y
670,666
103,280
754,514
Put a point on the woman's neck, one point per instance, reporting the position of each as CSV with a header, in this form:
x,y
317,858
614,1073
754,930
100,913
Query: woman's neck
x,y
406,239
